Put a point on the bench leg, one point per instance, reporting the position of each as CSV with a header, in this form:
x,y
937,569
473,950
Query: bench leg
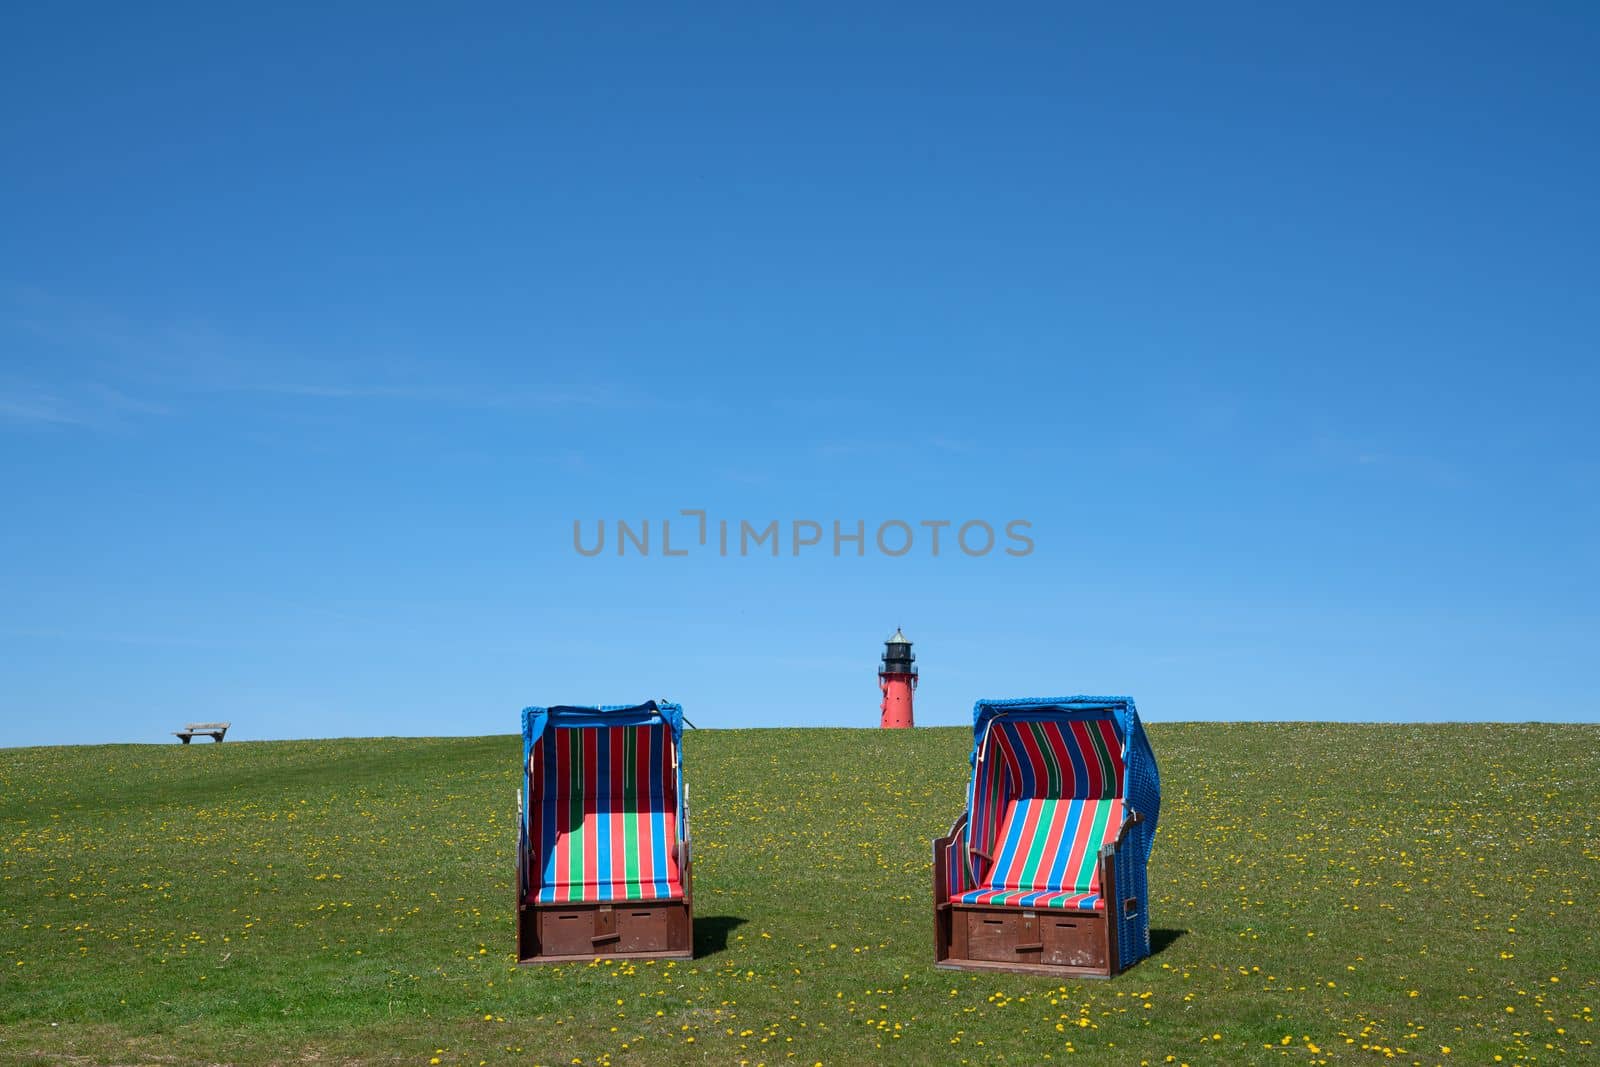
x,y
185,740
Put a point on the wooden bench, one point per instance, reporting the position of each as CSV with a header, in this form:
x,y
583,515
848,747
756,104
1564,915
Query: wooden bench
x,y
213,730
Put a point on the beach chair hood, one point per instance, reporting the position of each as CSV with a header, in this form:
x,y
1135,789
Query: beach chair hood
x,y
535,721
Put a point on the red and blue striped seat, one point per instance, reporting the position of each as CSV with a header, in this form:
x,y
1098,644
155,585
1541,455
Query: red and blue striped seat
x,y
603,815
1047,795
1049,854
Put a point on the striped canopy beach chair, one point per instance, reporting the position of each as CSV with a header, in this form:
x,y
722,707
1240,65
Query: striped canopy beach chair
x,y
603,834
1045,870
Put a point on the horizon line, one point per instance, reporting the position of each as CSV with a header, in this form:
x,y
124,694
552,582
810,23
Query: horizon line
x,y
1593,723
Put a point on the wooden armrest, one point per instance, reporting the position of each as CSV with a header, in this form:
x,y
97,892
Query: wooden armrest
x,y
955,832
1133,819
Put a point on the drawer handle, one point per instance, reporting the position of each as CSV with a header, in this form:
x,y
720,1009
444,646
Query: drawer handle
x,y
1032,946
600,939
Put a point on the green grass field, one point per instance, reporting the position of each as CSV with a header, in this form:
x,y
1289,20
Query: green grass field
x,y
1321,893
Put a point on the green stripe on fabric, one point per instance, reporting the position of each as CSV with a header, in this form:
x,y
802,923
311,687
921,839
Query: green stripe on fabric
x,y
996,795
630,806
574,841
1091,852
1028,876
1109,786
1041,738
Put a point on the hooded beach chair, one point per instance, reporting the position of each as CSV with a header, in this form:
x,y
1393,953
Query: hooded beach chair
x,y
603,837
1045,871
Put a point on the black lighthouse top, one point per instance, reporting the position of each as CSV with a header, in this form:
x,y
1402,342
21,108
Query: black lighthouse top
x,y
897,655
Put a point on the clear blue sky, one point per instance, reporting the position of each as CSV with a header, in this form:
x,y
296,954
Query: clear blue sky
x,y
318,330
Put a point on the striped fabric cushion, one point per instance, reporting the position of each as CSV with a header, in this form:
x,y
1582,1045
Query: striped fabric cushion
x,y
1047,853
1046,795
1042,759
1090,901
605,824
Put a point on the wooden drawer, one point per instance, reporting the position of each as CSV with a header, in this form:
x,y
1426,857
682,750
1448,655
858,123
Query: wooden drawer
x,y
991,935
567,932
1003,936
1077,940
642,929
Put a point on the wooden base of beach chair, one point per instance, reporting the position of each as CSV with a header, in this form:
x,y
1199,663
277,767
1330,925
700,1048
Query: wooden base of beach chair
x,y
1026,940
640,929
1002,937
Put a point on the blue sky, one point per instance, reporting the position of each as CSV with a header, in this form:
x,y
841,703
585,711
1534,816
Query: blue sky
x,y
319,329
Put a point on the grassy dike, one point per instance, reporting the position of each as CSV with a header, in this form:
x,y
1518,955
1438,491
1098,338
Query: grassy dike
x,y
1320,893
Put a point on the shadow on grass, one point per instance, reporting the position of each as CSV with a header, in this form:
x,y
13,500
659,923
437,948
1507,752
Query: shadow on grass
x,y
711,933
1160,939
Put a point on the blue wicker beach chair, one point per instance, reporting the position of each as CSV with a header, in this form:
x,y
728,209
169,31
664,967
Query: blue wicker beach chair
x,y
1045,870
603,835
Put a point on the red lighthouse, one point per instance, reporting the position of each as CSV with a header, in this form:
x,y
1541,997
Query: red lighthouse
x,y
897,677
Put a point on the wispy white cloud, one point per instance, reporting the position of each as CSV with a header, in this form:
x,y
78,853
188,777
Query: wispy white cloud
x,y
179,362
1433,470
848,448
86,406
514,398
1422,468
743,476
137,639
39,410
944,443
118,401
